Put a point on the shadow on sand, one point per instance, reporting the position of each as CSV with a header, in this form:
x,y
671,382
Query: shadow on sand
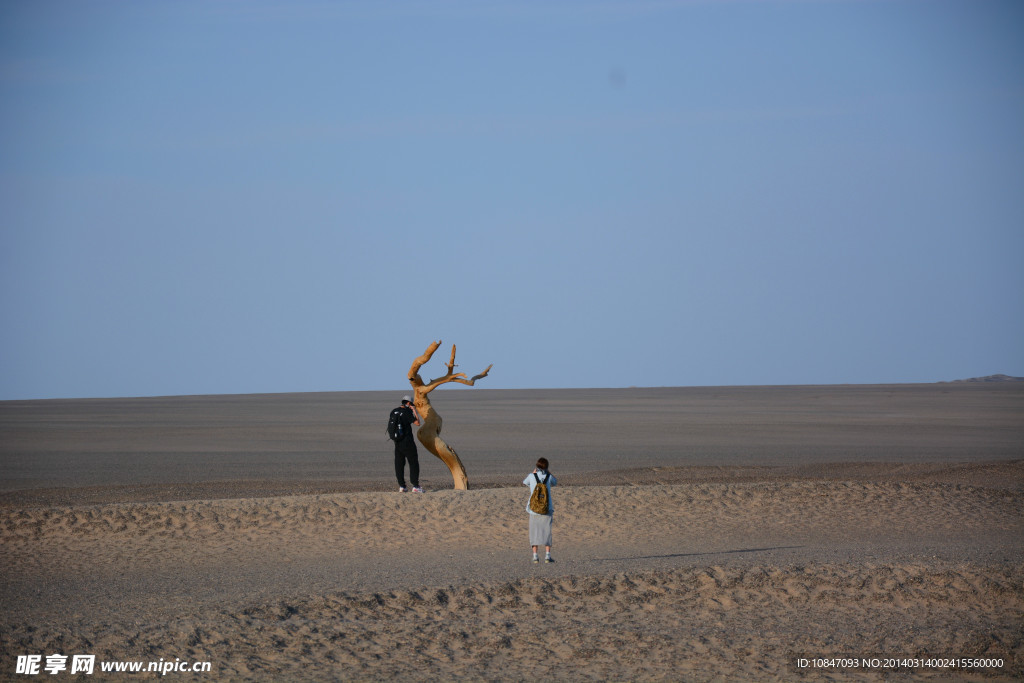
x,y
715,552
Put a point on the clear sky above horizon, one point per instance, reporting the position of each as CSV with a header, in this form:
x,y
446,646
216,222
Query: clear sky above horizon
x,y
237,197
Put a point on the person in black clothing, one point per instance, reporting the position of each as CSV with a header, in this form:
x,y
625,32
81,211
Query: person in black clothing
x,y
405,448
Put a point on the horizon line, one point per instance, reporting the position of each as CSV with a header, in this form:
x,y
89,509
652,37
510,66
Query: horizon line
x,y
998,378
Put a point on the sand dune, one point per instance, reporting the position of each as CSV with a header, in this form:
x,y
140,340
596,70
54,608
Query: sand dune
x,y
651,582
372,520
646,518
685,624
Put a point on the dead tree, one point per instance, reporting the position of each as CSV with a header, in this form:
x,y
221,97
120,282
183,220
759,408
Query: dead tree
x,y
430,429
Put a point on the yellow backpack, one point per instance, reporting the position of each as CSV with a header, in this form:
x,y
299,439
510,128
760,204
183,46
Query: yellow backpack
x,y
539,497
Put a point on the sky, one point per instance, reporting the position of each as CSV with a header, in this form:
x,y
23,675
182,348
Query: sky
x,y
233,197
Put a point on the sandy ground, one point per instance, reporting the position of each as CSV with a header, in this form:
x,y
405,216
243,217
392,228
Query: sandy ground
x,y
759,539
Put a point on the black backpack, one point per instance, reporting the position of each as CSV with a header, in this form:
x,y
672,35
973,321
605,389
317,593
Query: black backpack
x,y
396,427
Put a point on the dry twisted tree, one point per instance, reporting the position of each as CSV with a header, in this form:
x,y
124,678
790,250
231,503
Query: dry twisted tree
x,y
430,430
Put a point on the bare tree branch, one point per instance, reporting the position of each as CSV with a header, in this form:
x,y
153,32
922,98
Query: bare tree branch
x,y
414,371
472,380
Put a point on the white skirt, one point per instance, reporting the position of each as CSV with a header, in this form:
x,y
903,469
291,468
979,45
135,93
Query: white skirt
x,y
540,529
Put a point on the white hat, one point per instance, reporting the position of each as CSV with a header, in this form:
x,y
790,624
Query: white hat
x,y
406,398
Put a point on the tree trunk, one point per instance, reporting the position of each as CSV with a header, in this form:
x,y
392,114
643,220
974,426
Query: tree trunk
x,y
430,429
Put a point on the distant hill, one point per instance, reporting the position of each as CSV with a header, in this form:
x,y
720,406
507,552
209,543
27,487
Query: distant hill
x,y
990,378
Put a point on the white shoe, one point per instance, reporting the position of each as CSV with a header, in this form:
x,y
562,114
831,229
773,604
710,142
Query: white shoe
x,y
402,489
417,489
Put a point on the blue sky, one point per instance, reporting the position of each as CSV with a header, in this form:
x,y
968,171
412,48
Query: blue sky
x,y
235,197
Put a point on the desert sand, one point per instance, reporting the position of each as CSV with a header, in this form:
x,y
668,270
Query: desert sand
x,y
700,534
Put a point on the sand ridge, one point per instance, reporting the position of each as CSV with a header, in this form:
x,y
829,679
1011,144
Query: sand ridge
x,y
802,499
648,516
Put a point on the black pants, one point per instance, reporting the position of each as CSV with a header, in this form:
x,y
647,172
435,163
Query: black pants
x,y
406,450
